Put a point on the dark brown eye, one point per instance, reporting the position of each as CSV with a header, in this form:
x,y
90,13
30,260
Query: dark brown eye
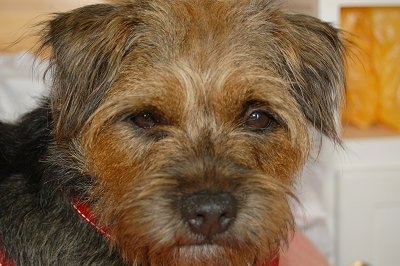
x,y
145,120
259,120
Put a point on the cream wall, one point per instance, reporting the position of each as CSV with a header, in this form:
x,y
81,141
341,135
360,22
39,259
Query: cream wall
x,y
17,18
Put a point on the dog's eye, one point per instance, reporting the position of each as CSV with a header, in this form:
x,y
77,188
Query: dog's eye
x,y
145,120
259,120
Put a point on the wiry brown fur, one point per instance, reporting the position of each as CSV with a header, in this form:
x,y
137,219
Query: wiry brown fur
x,y
201,67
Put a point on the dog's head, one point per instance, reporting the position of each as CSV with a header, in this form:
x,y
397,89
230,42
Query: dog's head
x,y
192,119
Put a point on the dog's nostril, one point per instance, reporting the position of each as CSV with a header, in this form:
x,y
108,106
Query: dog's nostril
x,y
196,221
209,214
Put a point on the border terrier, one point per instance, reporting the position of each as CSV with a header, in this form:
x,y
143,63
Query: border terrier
x,y
172,134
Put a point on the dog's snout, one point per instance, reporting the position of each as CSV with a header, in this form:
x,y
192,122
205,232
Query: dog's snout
x,y
209,214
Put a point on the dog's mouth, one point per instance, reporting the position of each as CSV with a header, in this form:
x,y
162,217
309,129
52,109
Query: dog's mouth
x,y
209,249
207,242
219,247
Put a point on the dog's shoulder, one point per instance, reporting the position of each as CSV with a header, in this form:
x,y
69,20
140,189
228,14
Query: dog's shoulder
x,y
23,142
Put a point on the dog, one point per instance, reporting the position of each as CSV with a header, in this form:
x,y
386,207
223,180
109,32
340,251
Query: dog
x,y
173,134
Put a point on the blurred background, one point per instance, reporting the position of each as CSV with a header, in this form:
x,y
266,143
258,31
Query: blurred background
x,y
361,185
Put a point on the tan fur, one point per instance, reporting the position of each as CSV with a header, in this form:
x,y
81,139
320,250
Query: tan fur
x,y
202,67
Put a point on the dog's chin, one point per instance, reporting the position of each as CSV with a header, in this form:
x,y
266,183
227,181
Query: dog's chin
x,y
209,254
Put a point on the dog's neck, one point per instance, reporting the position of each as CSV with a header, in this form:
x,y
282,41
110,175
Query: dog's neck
x,y
83,209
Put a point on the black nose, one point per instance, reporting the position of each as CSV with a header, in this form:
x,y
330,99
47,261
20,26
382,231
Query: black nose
x,y
209,214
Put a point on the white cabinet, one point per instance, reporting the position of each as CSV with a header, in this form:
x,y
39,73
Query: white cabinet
x,y
367,202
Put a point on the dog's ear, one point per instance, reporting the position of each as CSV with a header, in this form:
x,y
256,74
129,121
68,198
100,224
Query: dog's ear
x,y
313,52
87,47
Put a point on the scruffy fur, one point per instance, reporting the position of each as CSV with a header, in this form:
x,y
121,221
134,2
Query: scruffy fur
x,y
155,101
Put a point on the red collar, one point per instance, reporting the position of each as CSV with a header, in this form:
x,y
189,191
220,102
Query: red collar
x,y
83,209
4,260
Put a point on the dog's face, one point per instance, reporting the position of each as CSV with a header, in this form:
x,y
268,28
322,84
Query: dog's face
x,y
192,120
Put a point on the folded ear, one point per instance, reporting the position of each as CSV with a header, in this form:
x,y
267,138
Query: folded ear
x,y
87,46
314,57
